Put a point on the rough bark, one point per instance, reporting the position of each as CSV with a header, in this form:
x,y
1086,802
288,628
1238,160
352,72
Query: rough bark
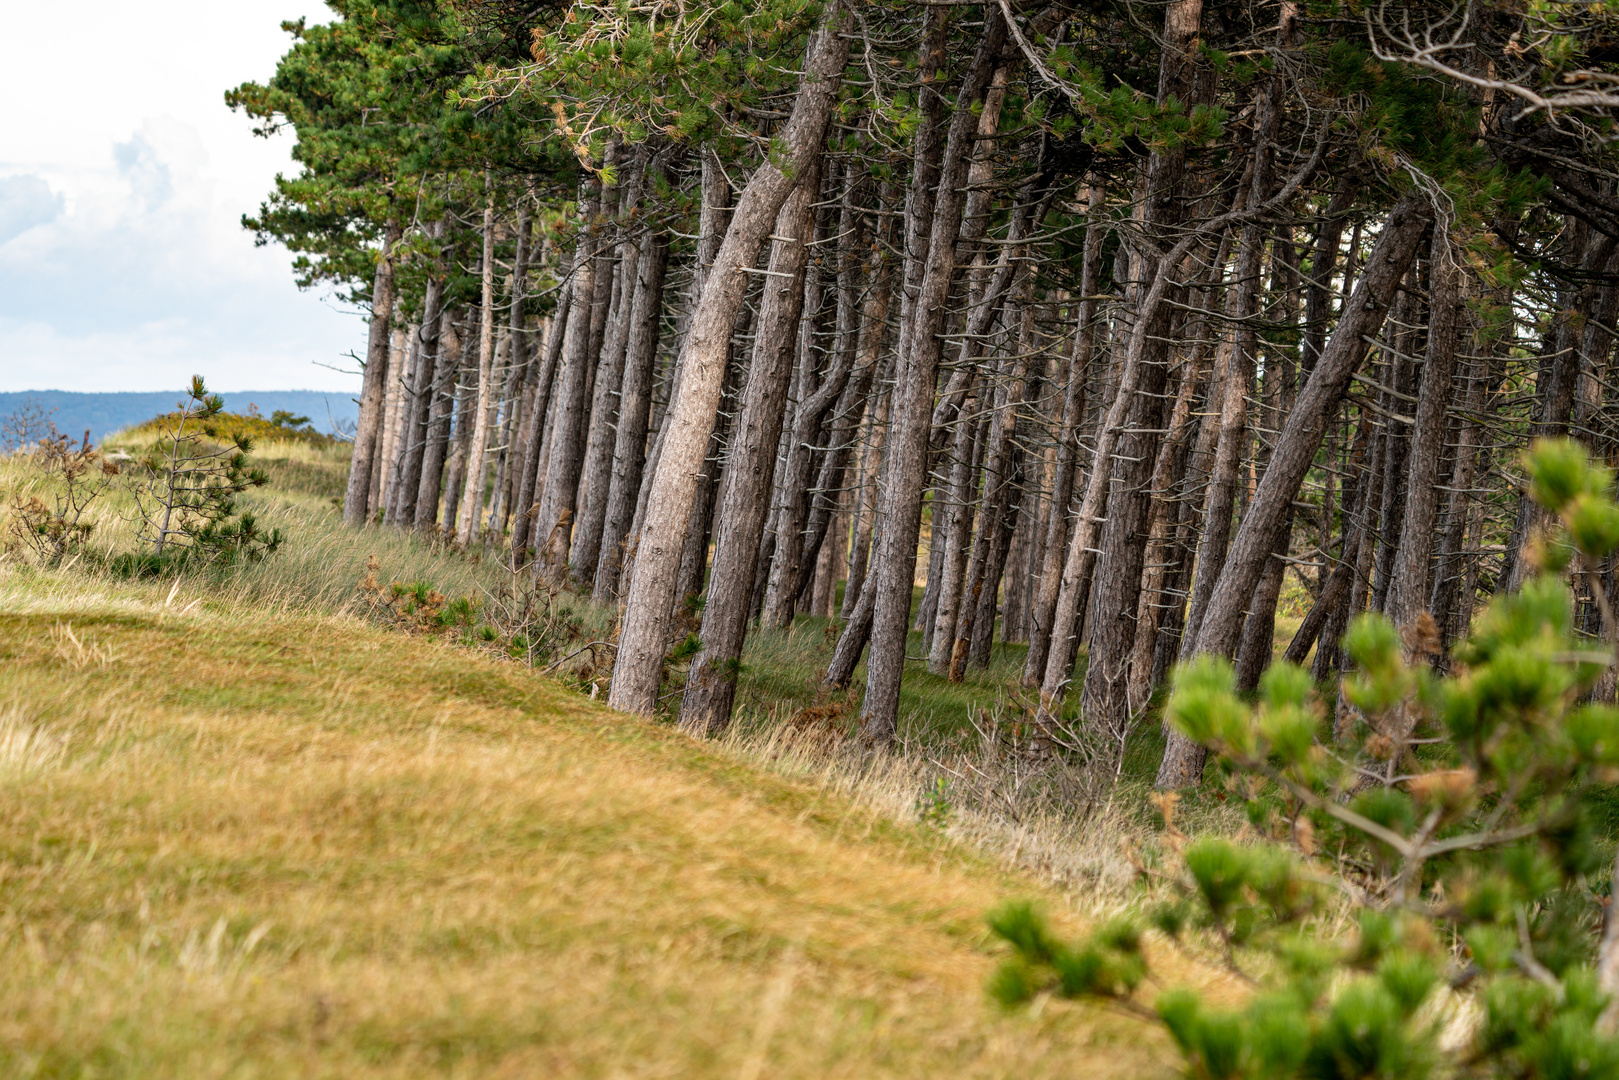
x,y
634,413
955,528
441,412
638,669
595,481
913,409
367,433
1409,594
793,557
558,502
402,509
1141,363
1296,447
534,440
750,465
471,510
1073,415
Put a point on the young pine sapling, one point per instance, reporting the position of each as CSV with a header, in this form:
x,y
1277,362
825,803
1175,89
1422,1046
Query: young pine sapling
x,y
1456,831
187,506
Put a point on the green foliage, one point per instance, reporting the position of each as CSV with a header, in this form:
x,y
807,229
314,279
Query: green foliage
x,y
1465,857
186,492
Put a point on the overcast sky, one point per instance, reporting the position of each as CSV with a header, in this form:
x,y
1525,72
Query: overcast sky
x,y
123,179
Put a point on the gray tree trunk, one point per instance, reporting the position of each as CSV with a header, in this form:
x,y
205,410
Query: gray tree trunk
x,y
553,522
895,566
638,669
1073,417
634,413
418,410
441,411
471,510
750,466
368,431
595,481
1409,594
1295,451
534,434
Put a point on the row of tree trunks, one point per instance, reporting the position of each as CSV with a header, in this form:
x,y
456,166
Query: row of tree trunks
x,y
907,440
652,588
746,486
1296,447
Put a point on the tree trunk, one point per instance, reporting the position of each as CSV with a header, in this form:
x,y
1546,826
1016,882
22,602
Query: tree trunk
x,y
595,481
402,511
534,439
1142,364
1556,380
750,466
442,410
471,512
367,432
553,522
908,438
634,412
455,470
1295,451
399,356
793,558
1452,561
956,531
1000,467
1409,594
649,608
523,388
1073,416
1281,371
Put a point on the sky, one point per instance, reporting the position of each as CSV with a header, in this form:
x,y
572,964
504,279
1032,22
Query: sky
x,y
123,180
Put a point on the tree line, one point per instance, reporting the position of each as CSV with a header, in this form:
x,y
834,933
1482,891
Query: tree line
x,y
1102,324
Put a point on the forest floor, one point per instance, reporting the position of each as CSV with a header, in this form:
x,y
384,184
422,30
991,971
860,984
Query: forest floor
x,y
242,842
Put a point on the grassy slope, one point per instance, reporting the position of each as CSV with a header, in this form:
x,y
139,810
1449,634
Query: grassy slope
x,y
248,842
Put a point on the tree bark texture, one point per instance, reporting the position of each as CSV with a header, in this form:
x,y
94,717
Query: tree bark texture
x,y
638,668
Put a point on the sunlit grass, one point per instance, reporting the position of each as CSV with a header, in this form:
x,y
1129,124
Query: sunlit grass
x,y
241,839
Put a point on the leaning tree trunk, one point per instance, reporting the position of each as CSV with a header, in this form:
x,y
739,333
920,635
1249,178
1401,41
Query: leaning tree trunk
x,y
441,411
369,429
634,413
553,521
1409,593
638,669
1296,447
750,466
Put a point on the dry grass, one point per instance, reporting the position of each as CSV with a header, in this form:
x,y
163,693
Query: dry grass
x,y
246,840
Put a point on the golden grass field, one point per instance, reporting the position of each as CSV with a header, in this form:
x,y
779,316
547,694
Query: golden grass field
x,y
241,842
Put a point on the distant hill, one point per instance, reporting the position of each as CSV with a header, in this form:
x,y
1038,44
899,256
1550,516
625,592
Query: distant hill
x,y
102,414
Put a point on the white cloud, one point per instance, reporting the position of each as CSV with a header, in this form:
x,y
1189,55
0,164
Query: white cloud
x,y
26,201
123,263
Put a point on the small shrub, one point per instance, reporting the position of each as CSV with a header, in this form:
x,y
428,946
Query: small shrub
x,y
187,503
72,478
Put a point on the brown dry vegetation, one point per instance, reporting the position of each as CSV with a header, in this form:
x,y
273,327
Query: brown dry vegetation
x,y
251,843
